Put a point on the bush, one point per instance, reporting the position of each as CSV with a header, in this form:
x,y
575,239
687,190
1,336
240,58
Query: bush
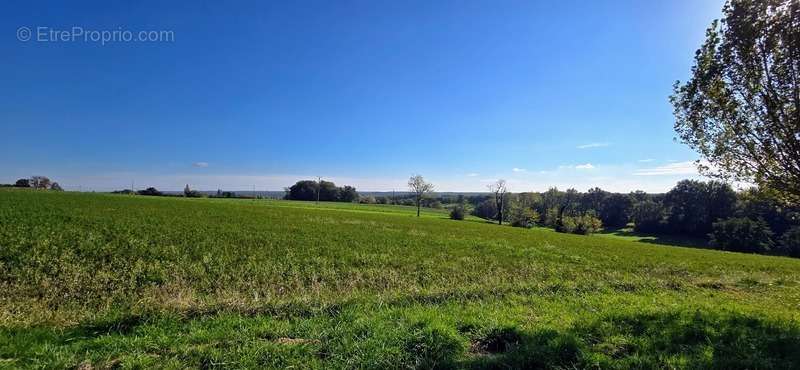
x,y
742,235
523,217
790,242
458,212
369,199
584,224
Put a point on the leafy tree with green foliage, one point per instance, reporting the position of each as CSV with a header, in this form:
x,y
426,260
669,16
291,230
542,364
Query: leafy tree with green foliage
x,y
349,194
648,216
694,206
22,183
741,107
761,203
790,242
486,209
55,187
742,235
615,210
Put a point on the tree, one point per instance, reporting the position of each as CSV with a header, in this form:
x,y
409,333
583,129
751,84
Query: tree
x,y
152,191
790,242
419,188
694,206
40,182
741,107
328,192
499,189
615,210
742,235
648,216
303,190
349,194
23,183
486,209
55,187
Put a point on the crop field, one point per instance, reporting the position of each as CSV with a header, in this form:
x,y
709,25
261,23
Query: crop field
x,y
104,281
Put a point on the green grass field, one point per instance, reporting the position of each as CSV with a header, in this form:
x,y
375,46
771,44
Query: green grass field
x,y
96,281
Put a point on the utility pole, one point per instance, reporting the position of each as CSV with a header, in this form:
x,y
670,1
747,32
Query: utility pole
x,y
132,191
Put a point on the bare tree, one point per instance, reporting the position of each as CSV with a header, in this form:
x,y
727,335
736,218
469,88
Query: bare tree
x,y
40,182
499,189
418,186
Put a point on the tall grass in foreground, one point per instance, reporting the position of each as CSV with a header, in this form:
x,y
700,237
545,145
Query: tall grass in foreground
x,y
107,280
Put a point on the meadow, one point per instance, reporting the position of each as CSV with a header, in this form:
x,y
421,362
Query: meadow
x,y
113,281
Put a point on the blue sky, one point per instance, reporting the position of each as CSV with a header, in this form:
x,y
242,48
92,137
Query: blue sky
x,y
540,93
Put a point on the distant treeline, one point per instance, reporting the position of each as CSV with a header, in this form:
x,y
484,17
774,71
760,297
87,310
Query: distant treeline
x,y
752,220
324,191
35,182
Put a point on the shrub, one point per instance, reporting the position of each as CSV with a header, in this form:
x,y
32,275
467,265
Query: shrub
x,y
369,199
790,242
523,217
584,224
588,224
458,212
742,235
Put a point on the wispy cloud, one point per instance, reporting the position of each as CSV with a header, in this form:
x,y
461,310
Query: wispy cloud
x,y
518,169
648,160
593,145
472,174
675,168
586,166
200,164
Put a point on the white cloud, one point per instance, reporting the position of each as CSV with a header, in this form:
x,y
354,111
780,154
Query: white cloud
x,y
200,164
675,168
593,145
518,169
587,166
472,174
648,160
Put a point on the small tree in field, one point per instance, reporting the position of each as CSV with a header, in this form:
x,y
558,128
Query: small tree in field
x,y
499,189
420,188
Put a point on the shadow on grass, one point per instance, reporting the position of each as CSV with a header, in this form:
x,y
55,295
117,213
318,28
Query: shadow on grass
x,y
662,340
671,339
670,240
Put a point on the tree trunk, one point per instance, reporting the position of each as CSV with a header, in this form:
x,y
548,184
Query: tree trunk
x,y
418,205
